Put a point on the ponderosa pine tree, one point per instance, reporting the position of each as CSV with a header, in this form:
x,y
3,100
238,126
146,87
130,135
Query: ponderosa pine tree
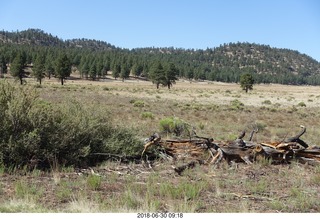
x,y
246,82
116,69
63,67
171,73
84,71
157,74
93,71
137,69
39,68
3,66
125,72
49,68
17,67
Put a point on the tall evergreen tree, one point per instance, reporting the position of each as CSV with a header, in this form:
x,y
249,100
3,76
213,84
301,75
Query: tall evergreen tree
x,y
84,71
39,68
171,73
246,82
3,65
125,72
49,68
93,71
17,67
137,69
116,69
63,67
157,74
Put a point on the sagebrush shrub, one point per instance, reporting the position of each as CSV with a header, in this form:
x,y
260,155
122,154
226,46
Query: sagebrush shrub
x,y
173,125
36,133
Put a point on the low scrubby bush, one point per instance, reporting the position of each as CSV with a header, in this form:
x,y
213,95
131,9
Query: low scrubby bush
x,y
173,125
147,115
34,132
236,105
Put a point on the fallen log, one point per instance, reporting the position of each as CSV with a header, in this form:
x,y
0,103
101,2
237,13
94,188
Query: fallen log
x,y
237,150
193,149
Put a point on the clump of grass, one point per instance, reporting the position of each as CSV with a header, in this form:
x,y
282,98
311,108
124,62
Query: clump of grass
x,y
147,115
236,105
201,126
173,125
138,103
24,190
94,182
302,104
267,102
64,192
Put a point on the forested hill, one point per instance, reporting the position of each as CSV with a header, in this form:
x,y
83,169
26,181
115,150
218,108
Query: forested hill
x,y
224,63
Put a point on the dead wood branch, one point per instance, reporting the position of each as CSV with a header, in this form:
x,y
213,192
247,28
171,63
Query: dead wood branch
x,y
193,150
189,165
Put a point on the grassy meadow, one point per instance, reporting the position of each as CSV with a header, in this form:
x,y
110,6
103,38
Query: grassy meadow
x,y
216,110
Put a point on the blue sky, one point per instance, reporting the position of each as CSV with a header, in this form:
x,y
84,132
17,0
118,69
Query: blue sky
x,y
198,24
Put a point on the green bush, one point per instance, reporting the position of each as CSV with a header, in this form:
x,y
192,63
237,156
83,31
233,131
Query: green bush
x,y
137,103
94,182
147,115
34,132
173,125
267,102
302,104
236,105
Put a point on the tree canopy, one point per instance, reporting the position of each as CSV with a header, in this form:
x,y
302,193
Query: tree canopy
x,y
63,67
93,59
17,67
246,82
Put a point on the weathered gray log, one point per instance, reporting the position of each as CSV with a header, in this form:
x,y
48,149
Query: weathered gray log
x,y
297,138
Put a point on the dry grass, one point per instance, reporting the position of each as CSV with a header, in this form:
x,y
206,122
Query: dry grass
x,y
211,109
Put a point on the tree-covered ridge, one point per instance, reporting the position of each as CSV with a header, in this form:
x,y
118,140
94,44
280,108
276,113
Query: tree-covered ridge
x,y
264,59
30,37
94,58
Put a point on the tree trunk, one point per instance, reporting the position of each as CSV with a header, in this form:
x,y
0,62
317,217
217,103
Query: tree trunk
x,y
61,81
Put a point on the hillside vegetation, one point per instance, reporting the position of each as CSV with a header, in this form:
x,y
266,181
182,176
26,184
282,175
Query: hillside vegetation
x,y
225,63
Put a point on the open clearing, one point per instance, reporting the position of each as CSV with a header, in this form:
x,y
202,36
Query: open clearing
x,y
277,110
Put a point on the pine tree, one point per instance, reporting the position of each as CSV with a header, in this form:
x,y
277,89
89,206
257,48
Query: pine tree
x,y
116,69
49,69
39,68
137,69
171,73
17,67
93,71
125,72
84,71
63,67
3,66
246,82
157,74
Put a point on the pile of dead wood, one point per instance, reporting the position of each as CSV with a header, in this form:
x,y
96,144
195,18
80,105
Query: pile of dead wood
x,y
209,151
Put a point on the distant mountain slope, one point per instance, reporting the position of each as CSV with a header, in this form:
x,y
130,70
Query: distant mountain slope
x,y
264,59
224,63
30,37
40,38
